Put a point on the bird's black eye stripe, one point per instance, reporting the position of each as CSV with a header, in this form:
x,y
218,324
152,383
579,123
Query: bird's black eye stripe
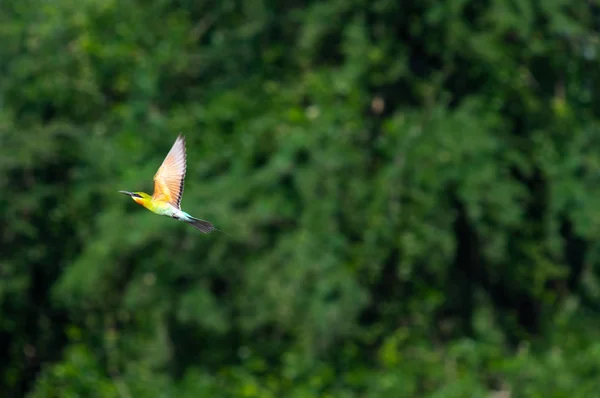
x,y
136,195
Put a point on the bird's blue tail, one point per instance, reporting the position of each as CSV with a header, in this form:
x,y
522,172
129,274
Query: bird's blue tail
x,y
201,225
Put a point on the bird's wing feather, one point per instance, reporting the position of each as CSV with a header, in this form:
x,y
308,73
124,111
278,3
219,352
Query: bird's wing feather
x,y
168,180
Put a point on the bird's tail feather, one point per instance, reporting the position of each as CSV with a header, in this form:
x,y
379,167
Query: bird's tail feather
x,y
203,226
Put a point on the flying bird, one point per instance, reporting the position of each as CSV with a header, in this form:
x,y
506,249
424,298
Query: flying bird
x,y
168,189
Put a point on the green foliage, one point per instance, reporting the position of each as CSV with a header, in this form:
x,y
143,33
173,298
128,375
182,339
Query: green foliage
x,y
409,192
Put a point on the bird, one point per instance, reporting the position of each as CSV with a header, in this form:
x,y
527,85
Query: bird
x,y
168,189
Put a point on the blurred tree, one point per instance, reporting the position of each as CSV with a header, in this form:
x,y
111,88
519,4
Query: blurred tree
x,y
410,189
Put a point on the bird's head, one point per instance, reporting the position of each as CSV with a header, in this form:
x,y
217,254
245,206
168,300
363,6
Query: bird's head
x,y
138,197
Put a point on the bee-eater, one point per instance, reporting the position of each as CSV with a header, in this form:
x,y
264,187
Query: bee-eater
x,y
168,189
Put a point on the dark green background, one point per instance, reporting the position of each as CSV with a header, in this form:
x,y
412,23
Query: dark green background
x,y
411,188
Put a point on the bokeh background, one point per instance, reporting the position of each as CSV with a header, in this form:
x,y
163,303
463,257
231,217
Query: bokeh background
x,y
411,191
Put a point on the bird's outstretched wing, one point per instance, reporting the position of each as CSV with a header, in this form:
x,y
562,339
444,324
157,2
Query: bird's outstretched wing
x,y
168,180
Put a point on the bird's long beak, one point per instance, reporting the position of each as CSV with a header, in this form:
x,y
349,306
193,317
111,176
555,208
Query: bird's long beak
x,y
127,193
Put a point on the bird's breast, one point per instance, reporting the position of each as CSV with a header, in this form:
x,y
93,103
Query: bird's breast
x,y
163,208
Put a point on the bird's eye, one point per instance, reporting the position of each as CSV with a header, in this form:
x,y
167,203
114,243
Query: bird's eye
x,y
135,195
